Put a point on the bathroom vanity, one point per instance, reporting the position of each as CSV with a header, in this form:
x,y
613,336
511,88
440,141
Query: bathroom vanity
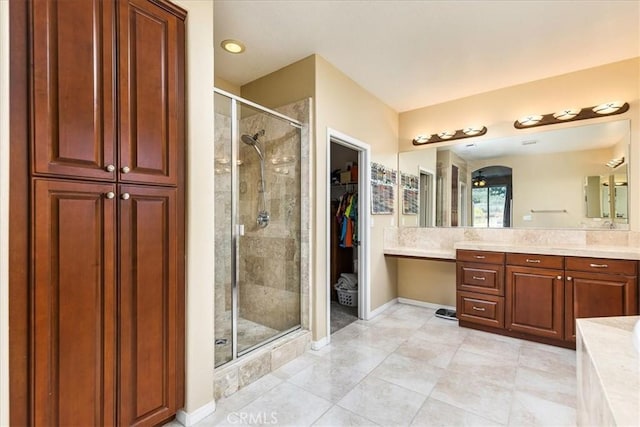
x,y
538,296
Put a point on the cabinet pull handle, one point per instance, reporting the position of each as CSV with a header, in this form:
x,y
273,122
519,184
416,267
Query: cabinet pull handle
x,y
598,265
569,278
533,261
479,256
110,168
478,278
478,308
125,169
110,195
125,196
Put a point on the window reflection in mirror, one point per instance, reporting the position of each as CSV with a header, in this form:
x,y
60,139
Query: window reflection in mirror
x,y
491,189
549,170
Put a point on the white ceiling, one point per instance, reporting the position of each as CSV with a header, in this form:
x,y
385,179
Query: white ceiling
x,y
411,54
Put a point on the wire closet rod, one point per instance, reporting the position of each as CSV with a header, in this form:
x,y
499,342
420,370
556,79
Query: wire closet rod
x,y
549,211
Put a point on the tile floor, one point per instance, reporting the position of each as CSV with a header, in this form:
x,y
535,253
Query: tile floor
x,y
407,367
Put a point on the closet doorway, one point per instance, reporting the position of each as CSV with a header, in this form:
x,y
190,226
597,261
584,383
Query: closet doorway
x,y
347,231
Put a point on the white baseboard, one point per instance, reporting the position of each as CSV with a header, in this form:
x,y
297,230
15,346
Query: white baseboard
x,y
188,419
382,308
423,304
317,345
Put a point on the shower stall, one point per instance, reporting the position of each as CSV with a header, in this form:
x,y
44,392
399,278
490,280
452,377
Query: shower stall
x,y
257,226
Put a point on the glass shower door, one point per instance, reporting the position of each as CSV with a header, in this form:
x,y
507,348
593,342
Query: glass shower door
x,y
269,218
223,230
257,226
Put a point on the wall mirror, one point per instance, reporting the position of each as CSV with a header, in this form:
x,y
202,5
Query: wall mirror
x,y
575,177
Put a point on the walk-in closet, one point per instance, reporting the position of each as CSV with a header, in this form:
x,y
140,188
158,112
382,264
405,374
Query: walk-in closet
x,y
343,280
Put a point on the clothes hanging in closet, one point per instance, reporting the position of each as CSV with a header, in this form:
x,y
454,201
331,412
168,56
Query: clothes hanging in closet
x,y
347,217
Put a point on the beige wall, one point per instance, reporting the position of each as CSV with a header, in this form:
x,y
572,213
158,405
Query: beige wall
x,y
4,213
427,281
342,105
499,109
227,86
200,205
289,84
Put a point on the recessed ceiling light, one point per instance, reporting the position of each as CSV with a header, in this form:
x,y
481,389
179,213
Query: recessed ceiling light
x,y
232,46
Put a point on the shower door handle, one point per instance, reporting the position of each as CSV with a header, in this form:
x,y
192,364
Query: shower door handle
x,y
240,229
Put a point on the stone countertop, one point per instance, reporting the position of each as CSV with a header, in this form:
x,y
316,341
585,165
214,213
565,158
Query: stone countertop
x,y
606,344
438,254
594,251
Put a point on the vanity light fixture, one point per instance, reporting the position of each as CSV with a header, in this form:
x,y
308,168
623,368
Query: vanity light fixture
x,y
232,46
530,120
571,114
566,114
608,107
446,134
614,163
450,135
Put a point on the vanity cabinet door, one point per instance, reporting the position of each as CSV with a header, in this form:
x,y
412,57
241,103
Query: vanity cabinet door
x,y
535,299
598,295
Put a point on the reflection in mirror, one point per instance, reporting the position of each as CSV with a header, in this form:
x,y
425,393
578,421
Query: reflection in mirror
x,y
602,202
491,197
551,173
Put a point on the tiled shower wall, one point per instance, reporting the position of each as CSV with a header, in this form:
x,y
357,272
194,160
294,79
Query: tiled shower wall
x,y
273,266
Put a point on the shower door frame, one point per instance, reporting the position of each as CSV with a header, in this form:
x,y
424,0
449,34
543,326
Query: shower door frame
x,y
237,230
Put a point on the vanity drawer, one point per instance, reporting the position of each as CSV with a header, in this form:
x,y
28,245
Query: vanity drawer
x,y
480,256
483,278
602,265
533,260
481,309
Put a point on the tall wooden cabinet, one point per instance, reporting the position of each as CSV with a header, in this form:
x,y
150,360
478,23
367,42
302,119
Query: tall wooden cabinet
x,y
106,158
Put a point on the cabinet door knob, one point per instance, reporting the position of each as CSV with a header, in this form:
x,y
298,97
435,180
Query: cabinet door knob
x,y
569,278
125,169
110,168
125,196
559,277
110,195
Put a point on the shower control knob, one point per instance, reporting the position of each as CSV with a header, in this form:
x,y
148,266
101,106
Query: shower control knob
x,y
110,168
125,196
125,169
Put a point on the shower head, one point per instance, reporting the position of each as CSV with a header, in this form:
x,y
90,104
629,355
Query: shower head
x,y
253,141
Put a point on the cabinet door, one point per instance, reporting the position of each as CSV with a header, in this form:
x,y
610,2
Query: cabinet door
x,y
74,325
535,301
151,82
73,88
598,295
150,305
